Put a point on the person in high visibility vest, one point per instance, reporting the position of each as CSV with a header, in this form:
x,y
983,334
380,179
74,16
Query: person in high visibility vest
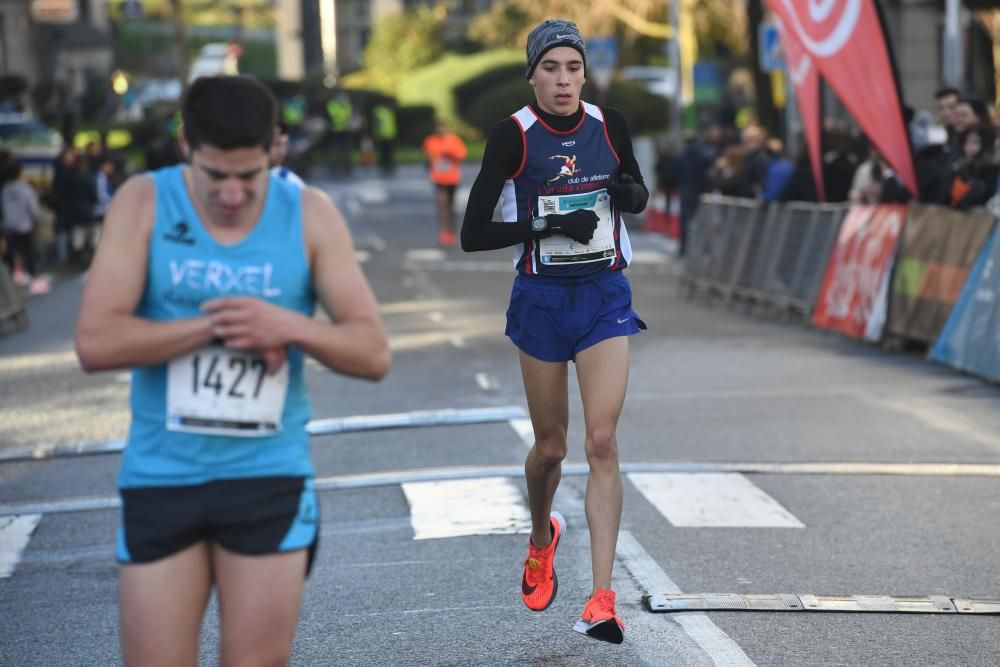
x,y
384,132
340,115
445,151
293,111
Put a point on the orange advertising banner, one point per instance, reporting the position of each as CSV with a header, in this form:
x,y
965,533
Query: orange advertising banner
x,y
853,298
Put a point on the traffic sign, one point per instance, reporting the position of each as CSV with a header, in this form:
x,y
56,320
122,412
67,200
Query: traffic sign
x,y
131,10
602,58
771,57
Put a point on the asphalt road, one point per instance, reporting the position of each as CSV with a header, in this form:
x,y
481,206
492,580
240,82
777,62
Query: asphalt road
x,y
763,457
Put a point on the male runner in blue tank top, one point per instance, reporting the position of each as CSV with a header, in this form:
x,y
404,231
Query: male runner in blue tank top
x,y
205,284
566,172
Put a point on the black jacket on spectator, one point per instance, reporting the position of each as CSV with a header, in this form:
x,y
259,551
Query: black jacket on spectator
x,y
931,166
800,185
73,197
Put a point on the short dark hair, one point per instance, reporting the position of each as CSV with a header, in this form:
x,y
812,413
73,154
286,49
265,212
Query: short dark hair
x,y
229,112
978,106
282,127
947,91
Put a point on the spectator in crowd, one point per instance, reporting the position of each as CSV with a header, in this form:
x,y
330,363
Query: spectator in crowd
x,y
866,188
946,99
163,151
666,170
725,175
974,177
279,153
104,187
753,171
839,163
385,131
963,118
95,155
801,185
692,168
930,161
980,109
779,170
21,214
340,115
74,198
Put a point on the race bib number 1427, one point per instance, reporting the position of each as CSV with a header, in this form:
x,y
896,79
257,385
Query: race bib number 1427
x,y
224,392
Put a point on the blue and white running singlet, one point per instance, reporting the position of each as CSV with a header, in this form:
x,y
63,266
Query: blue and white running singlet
x,y
214,413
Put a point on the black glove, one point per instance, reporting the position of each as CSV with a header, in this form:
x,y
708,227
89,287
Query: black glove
x,y
627,195
578,225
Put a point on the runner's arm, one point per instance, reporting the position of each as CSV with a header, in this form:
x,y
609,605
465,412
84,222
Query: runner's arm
x,y
108,333
622,142
355,341
501,158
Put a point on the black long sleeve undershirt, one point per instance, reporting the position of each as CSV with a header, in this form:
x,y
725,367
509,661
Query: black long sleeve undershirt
x,y
502,158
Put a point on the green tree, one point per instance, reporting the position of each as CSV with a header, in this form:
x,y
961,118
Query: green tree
x,y
403,42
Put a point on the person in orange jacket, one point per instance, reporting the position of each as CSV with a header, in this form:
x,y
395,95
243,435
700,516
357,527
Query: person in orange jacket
x,y
445,151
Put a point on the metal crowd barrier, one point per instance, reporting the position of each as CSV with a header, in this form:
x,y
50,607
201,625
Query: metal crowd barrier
x,y
773,254
12,311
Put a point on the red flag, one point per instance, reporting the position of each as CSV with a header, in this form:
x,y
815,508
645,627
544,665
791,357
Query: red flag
x,y
805,79
848,46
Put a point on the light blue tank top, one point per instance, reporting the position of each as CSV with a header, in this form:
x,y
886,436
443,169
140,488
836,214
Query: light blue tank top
x,y
186,267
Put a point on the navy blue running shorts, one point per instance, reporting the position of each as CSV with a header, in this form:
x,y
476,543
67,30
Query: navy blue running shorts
x,y
249,516
553,319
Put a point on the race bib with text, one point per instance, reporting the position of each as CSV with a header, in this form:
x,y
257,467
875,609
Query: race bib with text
x,y
217,391
559,249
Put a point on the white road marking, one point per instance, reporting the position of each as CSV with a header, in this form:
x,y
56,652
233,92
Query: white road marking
x,y
393,477
487,382
720,500
435,316
647,257
651,577
457,341
372,193
424,255
524,430
15,531
444,417
490,506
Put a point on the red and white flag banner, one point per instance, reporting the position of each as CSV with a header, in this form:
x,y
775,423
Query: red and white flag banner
x,y
846,44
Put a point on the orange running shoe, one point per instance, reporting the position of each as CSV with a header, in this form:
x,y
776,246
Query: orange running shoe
x,y
539,582
447,238
599,619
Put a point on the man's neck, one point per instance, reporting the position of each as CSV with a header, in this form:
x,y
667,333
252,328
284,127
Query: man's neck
x,y
556,122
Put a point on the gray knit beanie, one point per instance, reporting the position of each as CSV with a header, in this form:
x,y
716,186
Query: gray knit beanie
x,y
548,35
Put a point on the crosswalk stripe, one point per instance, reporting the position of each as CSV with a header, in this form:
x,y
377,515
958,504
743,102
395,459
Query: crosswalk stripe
x,y
651,578
15,531
453,508
719,500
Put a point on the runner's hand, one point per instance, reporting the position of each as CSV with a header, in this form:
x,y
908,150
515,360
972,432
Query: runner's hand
x,y
247,323
626,194
578,225
275,358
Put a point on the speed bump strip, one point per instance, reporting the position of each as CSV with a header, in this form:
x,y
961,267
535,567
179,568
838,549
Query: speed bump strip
x,y
883,604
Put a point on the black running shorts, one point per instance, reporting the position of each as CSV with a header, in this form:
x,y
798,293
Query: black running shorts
x,y
252,516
